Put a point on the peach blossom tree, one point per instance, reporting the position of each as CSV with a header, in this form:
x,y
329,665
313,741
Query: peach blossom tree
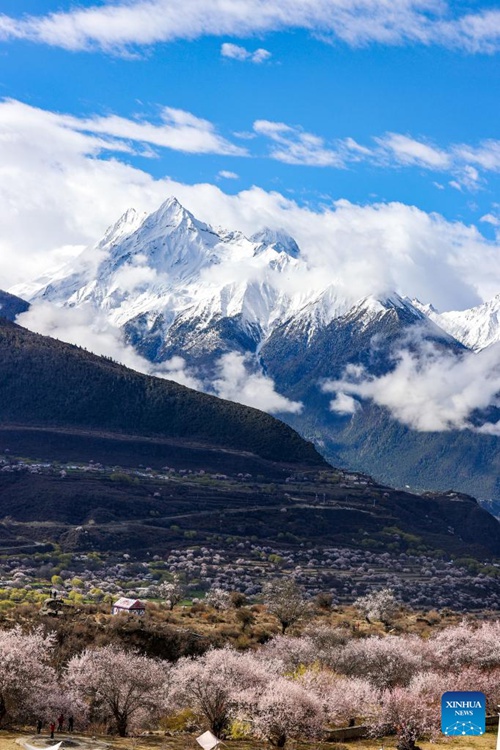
x,y
123,686
26,673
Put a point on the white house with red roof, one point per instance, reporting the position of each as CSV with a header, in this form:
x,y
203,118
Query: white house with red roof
x,y
132,606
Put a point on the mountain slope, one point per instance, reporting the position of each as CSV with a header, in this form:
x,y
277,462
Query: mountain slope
x,y
47,383
300,356
99,507
11,306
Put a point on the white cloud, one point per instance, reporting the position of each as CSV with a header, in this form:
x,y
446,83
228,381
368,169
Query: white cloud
x,y
131,276
355,148
177,370
261,55
236,383
432,391
295,146
183,131
467,177
85,327
473,32
117,25
490,219
179,130
225,174
344,404
409,151
236,52
60,189
486,155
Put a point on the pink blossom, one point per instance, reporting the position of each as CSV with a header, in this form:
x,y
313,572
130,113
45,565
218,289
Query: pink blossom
x,y
286,710
26,674
407,713
121,685
385,662
217,682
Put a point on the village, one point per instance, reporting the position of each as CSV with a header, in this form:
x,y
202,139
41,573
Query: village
x,y
233,565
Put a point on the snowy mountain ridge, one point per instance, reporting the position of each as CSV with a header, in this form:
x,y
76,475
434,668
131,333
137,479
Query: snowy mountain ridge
x,y
156,271
169,264
177,285
476,328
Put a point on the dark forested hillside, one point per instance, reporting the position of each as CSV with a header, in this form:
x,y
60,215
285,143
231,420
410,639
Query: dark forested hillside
x,y
45,382
11,306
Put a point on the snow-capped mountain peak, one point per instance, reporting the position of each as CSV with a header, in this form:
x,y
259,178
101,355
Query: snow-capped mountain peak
x,y
477,327
172,216
126,225
169,237
427,309
376,305
177,285
169,263
278,239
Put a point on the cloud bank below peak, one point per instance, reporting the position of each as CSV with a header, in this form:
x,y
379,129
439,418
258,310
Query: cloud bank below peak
x,y
428,390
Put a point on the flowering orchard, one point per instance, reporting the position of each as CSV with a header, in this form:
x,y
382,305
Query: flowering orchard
x,y
288,688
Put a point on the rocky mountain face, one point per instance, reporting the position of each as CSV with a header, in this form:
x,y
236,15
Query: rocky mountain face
x,y
179,287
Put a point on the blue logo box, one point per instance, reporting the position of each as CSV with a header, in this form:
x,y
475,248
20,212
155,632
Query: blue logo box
x,y
463,713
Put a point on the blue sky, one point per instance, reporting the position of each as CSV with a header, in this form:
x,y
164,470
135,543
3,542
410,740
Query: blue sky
x,y
362,100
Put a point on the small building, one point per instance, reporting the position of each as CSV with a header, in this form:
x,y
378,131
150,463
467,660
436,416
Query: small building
x,y
132,606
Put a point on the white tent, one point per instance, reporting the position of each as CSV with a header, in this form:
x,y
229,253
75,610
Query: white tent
x,y
207,740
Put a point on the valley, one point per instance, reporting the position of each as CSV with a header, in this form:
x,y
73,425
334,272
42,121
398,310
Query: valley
x,y
99,460
332,530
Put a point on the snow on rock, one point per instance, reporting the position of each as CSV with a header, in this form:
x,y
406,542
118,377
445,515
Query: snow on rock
x,y
476,328
426,309
170,263
169,272
278,239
